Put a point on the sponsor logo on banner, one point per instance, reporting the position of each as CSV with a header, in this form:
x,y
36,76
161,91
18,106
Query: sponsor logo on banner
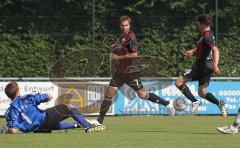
x,y
129,102
134,105
86,97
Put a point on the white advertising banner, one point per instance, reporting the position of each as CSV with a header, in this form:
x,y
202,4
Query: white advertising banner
x,y
85,96
28,88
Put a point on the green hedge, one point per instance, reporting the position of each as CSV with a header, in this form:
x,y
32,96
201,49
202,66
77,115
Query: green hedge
x,y
35,36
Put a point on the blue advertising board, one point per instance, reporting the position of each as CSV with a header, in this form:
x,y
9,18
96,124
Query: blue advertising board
x,y
128,103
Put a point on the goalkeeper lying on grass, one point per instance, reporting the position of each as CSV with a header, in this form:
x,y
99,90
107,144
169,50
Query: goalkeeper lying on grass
x,y
23,114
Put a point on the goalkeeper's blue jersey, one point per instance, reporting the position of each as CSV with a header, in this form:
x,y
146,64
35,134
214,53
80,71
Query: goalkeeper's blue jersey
x,y
24,114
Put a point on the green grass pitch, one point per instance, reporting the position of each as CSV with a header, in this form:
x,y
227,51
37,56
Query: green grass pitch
x,y
135,132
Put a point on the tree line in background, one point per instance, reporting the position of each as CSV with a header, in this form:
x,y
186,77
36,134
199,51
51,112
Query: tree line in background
x,y
39,38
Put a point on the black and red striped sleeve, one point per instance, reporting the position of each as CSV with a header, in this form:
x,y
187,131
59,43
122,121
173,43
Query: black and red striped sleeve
x,y
132,43
209,40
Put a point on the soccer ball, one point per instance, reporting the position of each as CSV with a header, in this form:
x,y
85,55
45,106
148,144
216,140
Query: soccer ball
x,y
179,104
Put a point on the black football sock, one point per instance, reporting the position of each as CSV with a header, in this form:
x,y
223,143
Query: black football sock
x,y
156,99
185,90
210,97
107,102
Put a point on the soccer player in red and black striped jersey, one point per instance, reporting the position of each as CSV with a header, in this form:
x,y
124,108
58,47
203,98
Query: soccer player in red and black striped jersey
x,y
207,58
127,72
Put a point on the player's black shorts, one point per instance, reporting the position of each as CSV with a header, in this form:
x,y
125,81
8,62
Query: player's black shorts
x,y
55,115
199,72
131,79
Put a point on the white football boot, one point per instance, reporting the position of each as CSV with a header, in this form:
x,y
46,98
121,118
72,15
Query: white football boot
x,y
228,129
171,109
97,126
195,105
222,108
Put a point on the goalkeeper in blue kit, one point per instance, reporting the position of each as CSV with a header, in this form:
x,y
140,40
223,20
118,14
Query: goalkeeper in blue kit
x,y
24,114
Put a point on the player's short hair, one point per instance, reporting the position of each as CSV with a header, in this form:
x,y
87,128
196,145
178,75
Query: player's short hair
x,y
205,19
11,89
125,18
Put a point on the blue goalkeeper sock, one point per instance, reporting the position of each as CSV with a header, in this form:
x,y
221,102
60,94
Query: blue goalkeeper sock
x,y
79,118
66,125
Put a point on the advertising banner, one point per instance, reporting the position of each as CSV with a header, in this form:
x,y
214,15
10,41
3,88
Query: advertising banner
x,y
127,102
87,96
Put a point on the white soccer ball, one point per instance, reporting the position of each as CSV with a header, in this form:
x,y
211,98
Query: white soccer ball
x,y
179,104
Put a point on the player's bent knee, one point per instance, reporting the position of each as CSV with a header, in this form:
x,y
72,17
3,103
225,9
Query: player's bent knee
x,y
111,91
142,95
178,82
109,96
202,94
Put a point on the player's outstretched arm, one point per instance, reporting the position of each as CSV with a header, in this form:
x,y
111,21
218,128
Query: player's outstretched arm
x,y
115,45
190,53
41,98
216,60
113,56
